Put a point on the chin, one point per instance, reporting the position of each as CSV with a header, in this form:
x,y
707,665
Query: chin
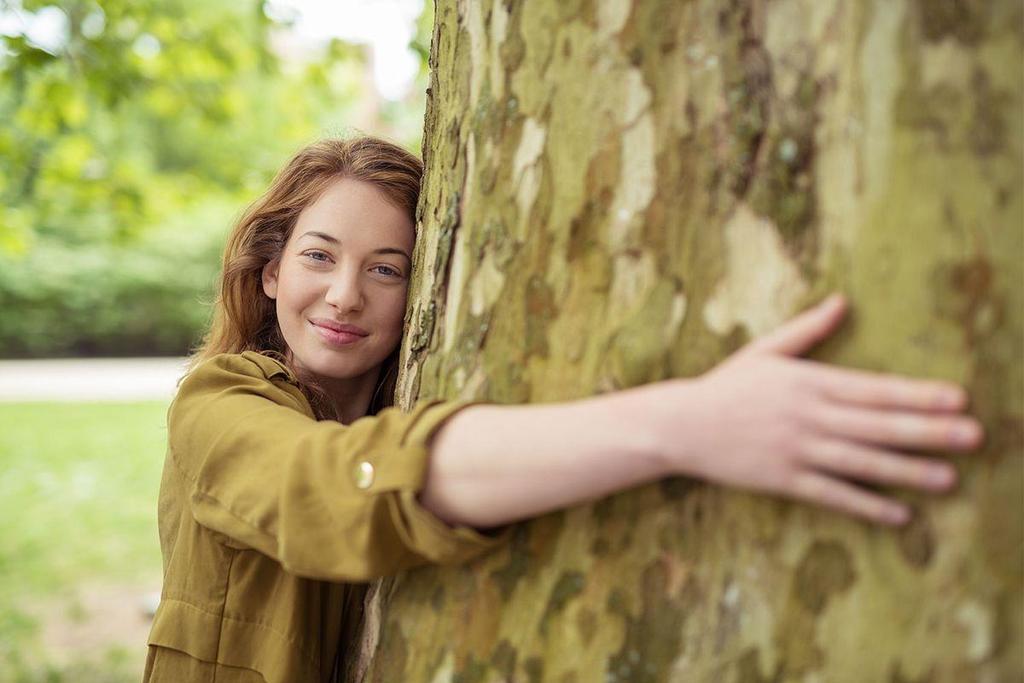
x,y
337,365
334,368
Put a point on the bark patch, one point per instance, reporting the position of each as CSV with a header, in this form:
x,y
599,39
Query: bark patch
x,y
826,569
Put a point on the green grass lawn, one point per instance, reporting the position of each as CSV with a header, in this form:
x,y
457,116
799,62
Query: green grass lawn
x,y
77,507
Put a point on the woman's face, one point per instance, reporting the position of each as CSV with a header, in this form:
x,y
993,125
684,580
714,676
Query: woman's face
x,y
346,263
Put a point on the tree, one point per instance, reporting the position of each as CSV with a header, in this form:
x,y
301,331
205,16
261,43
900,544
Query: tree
x,y
621,192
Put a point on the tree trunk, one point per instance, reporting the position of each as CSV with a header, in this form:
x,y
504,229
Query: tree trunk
x,y
624,191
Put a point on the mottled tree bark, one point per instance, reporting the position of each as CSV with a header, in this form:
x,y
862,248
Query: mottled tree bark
x,y
624,191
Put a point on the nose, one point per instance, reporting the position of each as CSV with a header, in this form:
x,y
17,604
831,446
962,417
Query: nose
x,y
345,291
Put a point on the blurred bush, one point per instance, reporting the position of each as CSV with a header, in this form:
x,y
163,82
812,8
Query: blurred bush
x,y
147,298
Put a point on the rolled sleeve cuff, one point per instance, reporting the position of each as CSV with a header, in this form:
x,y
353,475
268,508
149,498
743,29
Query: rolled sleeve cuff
x,y
434,538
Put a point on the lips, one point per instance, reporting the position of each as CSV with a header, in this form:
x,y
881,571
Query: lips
x,y
338,334
339,327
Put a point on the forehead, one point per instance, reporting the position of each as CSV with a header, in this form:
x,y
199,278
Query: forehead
x,y
357,213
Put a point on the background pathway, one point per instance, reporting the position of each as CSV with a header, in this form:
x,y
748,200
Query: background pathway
x,y
92,379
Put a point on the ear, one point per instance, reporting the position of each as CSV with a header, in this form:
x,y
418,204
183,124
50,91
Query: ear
x,y
269,278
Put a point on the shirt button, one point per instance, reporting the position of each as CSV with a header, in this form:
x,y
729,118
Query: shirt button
x,y
364,475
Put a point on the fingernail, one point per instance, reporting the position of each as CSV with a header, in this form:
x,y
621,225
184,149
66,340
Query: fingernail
x,y
966,434
953,398
941,476
898,516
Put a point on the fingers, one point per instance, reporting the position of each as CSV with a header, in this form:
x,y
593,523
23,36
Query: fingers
x,y
820,489
885,391
864,463
802,332
898,429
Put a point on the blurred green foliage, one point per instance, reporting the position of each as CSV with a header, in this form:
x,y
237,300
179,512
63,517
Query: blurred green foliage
x,y
144,296
128,147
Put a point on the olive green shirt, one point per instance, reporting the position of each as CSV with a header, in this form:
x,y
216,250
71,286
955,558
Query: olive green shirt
x,y
270,520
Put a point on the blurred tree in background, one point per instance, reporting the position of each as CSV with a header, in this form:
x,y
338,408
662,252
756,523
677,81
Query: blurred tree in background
x,y
134,132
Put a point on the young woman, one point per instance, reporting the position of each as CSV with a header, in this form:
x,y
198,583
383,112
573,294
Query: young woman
x,y
290,480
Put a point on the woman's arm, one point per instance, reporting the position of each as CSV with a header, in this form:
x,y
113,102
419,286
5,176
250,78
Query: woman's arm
x,y
492,464
762,420
248,462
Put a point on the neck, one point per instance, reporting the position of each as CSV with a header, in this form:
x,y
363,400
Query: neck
x,y
350,396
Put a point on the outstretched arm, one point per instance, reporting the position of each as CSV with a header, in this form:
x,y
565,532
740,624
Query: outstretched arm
x,y
764,420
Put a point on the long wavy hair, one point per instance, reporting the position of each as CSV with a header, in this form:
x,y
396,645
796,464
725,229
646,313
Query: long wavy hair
x,y
244,318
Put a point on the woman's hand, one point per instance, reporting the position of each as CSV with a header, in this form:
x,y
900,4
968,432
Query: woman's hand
x,y
763,419
769,421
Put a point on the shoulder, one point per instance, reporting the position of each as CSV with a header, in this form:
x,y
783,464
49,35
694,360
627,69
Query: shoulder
x,y
269,367
249,373
231,402
246,364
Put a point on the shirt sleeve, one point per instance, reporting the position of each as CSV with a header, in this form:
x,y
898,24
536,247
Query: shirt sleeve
x,y
328,501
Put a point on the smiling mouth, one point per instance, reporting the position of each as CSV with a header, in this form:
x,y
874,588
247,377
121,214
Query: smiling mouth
x,y
336,338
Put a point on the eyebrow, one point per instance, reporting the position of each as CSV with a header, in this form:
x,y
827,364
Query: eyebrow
x,y
333,240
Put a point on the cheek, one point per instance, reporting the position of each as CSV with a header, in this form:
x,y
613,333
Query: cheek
x,y
396,312
296,288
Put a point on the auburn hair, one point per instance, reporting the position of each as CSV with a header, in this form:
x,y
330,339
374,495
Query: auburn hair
x,y
244,318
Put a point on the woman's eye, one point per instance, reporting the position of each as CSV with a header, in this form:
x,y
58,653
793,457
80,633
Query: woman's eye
x,y
316,254
387,270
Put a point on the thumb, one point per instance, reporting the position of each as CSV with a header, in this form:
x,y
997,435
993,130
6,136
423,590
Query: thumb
x,y
799,334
